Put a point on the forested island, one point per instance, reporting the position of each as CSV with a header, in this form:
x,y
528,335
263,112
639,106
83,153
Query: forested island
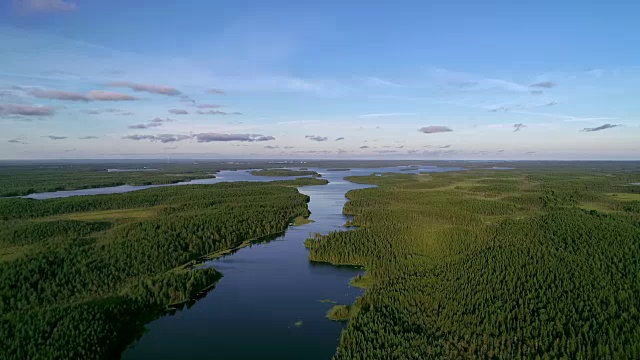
x,y
25,180
284,172
538,263
80,276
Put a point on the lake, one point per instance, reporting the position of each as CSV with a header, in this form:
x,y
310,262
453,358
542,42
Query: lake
x,y
267,305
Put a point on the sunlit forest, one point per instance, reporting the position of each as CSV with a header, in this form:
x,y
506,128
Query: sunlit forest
x,y
492,264
80,276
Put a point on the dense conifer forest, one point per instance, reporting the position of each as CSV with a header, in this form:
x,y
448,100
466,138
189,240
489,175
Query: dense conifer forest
x,y
492,264
80,276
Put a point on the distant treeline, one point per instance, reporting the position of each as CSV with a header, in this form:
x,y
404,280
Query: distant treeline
x,y
80,276
492,264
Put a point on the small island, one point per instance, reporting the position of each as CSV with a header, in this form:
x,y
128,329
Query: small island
x,y
341,312
284,172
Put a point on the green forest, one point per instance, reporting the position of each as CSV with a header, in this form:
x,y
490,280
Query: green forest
x,y
24,180
492,264
80,276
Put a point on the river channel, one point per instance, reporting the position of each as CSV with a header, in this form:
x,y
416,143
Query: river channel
x,y
271,302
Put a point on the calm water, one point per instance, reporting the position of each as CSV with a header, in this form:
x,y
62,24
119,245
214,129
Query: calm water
x,y
266,288
222,176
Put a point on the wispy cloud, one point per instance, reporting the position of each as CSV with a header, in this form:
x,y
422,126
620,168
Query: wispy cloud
x,y
167,138
505,108
465,82
201,137
375,81
44,5
601,127
155,89
215,91
163,138
89,137
94,95
153,123
518,127
178,111
568,118
98,95
186,99
339,139
364,147
19,140
298,122
543,85
536,92
101,111
385,115
434,129
207,106
271,147
217,112
444,146
54,137
211,137
25,110
58,95
316,138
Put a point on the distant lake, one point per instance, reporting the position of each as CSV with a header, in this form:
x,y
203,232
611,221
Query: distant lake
x,y
227,175
131,170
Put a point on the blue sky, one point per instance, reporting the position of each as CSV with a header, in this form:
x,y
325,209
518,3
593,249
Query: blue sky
x,y
322,79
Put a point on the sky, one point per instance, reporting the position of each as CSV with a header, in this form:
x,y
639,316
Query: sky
x,y
442,80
